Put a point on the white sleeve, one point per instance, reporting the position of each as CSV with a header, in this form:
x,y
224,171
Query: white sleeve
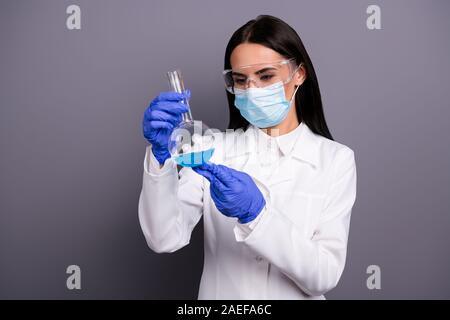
x,y
170,204
314,264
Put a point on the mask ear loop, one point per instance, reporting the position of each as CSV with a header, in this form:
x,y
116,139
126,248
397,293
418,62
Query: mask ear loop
x,y
293,95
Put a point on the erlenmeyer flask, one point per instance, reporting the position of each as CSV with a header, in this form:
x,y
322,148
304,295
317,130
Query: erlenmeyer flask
x,y
191,142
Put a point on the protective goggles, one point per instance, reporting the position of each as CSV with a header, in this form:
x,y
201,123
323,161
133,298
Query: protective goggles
x,y
261,74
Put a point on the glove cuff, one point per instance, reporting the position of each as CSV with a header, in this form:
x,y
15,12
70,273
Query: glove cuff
x,y
254,210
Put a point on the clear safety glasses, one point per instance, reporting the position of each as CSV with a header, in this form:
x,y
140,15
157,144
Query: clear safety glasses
x,y
261,74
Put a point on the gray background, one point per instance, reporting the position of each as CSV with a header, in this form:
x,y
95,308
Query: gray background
x,y
71,149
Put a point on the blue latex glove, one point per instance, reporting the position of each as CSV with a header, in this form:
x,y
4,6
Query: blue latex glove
x,y
160,118
234,192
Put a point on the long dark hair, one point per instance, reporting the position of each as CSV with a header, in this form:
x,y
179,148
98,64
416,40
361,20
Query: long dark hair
x,y
277,35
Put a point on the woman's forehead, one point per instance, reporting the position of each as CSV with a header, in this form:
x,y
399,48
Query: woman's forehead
x,y
247,54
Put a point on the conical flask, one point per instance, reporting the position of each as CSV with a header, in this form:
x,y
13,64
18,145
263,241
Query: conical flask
x,y
191,142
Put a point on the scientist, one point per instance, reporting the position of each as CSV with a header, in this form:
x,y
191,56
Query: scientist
x,y
276,202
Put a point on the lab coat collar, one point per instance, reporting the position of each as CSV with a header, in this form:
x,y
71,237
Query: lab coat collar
x,y
304,148
283,143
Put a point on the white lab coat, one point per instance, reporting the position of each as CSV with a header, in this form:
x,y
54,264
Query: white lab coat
x,y
296,249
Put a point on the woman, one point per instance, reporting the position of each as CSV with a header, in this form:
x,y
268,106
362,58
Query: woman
x,y
277,196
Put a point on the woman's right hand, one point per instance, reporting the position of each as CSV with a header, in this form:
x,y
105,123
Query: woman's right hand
x,y
160,118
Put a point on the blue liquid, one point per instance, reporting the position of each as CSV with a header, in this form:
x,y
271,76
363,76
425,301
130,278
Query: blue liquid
x,y
194,159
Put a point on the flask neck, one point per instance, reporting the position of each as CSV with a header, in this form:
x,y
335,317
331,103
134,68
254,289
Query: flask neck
x,y
176,84
187,116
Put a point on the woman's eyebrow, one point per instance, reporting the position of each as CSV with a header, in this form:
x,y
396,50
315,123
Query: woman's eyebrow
x,y
265,69
257,72
234,73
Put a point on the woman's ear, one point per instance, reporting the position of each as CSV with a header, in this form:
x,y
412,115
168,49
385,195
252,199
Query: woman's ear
x,y
300,75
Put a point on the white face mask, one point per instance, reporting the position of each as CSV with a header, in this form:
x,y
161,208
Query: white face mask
x,y
264,107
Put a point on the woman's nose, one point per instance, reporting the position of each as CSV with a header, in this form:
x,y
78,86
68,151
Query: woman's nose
x,y
251,83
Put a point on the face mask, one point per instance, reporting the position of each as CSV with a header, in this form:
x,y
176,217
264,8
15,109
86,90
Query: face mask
x,y
263,107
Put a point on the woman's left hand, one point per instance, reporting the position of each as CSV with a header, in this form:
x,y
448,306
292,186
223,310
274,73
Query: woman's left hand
x,y
234,192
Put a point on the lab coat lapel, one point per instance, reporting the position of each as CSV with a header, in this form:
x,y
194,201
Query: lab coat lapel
x,y
245,157
250,164
304,151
